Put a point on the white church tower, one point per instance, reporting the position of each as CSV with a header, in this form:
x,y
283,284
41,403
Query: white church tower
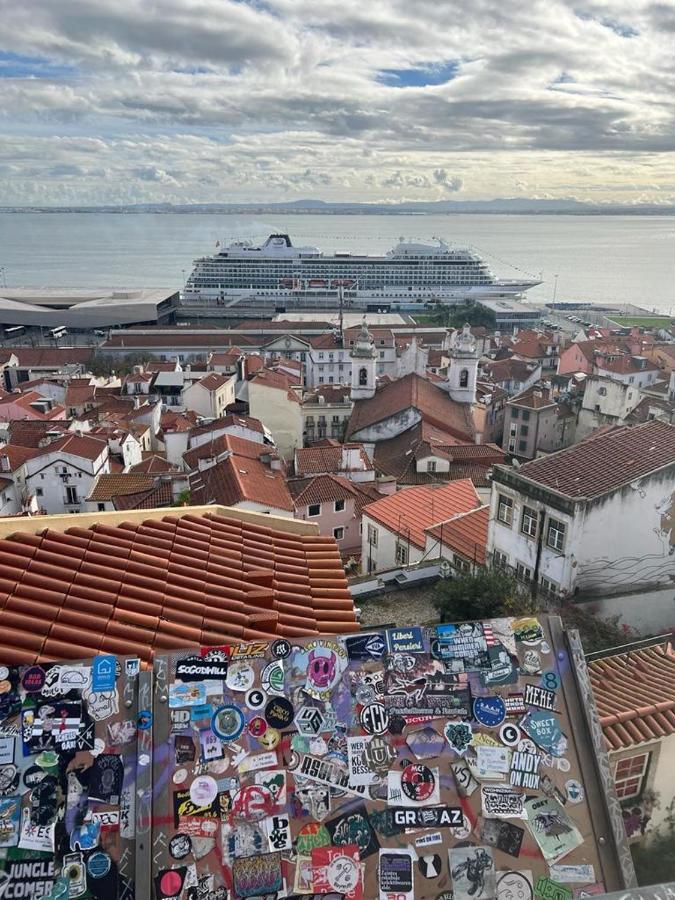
x,y
364,363
463,368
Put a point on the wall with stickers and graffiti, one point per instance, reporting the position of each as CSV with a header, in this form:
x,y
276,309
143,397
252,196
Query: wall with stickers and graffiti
x,y
453,762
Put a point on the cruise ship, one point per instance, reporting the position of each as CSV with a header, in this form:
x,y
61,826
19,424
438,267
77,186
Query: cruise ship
x,y
279,275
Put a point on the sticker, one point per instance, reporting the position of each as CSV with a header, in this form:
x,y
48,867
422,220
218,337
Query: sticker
x,y
553,830
509,734
256,875
211,745
515,885
354,827
379,754
278,832
525,769
418,782
255,698
473,873
405,640
466,641
548,889
10,821
374,718
258,761
466,783
187,694
428,840
203,790
9,780
180,720
180,846
280,649
279,712
184,749
435,695
429,817
257,726
98,865
34,837
582,873
430,865
531,664
33,679
489,711
272,678
589,890
312,835
240,676
169,883
195,668
144,720
515,705
228,722
504,836
366,646
325,663
528,630
425,743
309,720
575,793
328,772
29,878
459,735
492,760
395,875
359,770
550,680
534,695
252,803
270,739
544,729
132,667
6,750
337,870
180,776
105,779
103,673
499,801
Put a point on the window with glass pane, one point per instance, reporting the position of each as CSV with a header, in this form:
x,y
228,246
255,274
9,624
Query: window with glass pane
x,y
555,535
505,509
528,523
629,775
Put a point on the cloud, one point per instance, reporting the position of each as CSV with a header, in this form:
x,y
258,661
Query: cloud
x,y
184,100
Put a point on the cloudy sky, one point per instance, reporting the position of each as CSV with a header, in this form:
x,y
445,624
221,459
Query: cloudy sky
x,y
124,101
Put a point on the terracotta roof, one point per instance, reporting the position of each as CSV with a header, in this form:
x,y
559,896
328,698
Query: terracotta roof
x,y
29,432
534,348
148,586
533,398
79,393
25,402
602,464
635,694
410,511
433,404
76,445
331,393
465,533
138,377
277,380
157,365
326,341
16,455
320,489
160,494
108,486
213,381
626,365
318,460
224,442
41,357
226,358
509,369
238,479
152,465
229,422
178,421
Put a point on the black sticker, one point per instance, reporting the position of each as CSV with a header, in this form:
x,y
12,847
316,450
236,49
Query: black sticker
x,y
280,649
429,817
105,783
33,775
43,801
184,749
366,646
540,697
279,712
180,846
396,724
505,836
429,866
354,827
374,718
169,883
418,782
195,668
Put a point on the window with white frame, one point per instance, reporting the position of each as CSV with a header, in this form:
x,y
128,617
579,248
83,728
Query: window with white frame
x,y
339,505
550,586
500,560
314,509
401,554
523,572
528,523
555,534
505,509
372,535
338,533
629,776
460,564
431,465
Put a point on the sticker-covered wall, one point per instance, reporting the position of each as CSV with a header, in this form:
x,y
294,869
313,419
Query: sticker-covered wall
x,y
449,763
68,763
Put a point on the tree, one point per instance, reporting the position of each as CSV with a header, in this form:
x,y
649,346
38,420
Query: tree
x,y
487,594
654,859
120,364
595,633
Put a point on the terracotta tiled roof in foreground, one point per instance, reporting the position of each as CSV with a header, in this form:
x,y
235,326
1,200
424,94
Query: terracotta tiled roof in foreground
x,y
635,695
149,582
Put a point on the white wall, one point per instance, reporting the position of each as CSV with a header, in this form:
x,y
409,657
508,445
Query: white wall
x,y
44,473
263,508
384,555
283,417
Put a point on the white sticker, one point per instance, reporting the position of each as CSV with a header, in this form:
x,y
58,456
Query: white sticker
x,y
582,873
203,790
428,839
492,759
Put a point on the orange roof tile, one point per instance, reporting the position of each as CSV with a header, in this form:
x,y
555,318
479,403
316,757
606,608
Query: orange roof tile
x,y
238,479
163,583
152,465
77,445
465,533
635,694
108,486
318,460
213,381
224,442
412,510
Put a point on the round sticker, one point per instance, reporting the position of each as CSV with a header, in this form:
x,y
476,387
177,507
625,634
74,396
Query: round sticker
x,y
418,782
342,874
279,712
515,884
257,726
270,739
5,687
550,680
33,775
430,866
280,649
272,678
98,865
374,718
180,846
255,699
240,676
33,679
227,723
489,711
509,734
4,673
48,759
144,719
574,790
179,776
203,790
171,883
